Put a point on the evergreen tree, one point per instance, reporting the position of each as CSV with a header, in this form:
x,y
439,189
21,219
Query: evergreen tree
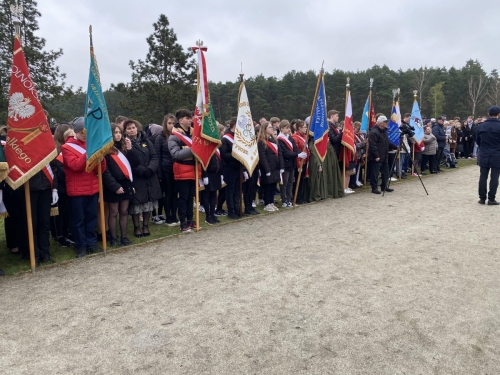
x,y
436,97
45,73
164,81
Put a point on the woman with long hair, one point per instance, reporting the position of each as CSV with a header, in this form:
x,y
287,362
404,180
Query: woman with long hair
x,y
144,163
300,138
117,183
166,171
271,164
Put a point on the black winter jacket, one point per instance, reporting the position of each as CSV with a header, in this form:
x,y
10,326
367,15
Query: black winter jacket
x,y
488,140
40,182
379,144
166,161
61,177
226,153
335,139
269,162
214,173
144,163
440,134
289,156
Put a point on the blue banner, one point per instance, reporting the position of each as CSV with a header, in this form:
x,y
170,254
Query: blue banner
x,y
416,122
97,126
393,127
365,120
319,123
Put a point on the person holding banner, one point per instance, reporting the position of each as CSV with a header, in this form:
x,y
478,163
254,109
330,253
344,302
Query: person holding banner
x,y
271,164
300,138
117,183
179,145
83,189
232,172
144,163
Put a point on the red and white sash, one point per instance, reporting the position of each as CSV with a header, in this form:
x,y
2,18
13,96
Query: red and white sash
x,y
287,142
186,140
273,146
229,137
60,158
217,152
77,148
123,164
47,171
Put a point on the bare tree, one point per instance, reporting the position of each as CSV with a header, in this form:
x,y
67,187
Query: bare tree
x,y
420,83
493,97
477,90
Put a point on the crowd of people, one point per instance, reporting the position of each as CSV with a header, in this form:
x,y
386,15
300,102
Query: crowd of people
x,y
149,174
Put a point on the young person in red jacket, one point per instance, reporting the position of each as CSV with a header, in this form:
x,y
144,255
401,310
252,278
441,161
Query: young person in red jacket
x,y
83,189
179,145
300,138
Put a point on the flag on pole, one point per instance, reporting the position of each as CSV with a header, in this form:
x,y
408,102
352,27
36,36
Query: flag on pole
x,y
416,122
348,133
319,124
393,127
29,145
245,144
97,127
365,119
206,137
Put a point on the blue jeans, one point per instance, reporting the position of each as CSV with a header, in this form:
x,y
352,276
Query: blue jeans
x,y
84,221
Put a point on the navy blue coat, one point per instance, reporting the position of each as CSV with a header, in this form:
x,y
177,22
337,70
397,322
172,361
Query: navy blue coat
x,y
488,140
440,134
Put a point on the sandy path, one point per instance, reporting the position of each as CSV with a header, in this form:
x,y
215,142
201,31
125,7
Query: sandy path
x,y
373,286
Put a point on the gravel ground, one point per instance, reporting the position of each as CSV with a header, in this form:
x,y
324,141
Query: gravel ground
x,y
361,285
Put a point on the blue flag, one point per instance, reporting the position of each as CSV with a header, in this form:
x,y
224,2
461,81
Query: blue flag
x,y
97,126
416,122
393,127
319,123
365,120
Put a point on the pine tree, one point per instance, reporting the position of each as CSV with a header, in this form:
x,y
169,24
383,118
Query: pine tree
x,y
164,81
45,73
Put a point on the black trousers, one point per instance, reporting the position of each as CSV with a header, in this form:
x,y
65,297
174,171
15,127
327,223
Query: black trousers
x,y
483,179
209,199
170,198
300,193
187,190
375,168
40,215
11,199
249,191
427,163
232,179
221,198
391,157
437,158
63,221
268,192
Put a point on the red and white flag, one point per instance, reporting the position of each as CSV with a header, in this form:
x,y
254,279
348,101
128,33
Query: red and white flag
x,y
29,145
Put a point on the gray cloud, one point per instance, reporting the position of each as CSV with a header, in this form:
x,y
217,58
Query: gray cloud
x,y
274,37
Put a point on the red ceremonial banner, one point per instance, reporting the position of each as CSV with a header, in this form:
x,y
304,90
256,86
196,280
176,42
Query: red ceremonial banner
x,y
29,146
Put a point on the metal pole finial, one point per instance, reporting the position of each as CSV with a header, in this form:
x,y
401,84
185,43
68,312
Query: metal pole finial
x,y
241,73
199,43
17,14
348,83
415,92
371,83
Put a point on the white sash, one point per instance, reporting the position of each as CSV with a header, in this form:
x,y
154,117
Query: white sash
x,y
76,147
186,139
285,139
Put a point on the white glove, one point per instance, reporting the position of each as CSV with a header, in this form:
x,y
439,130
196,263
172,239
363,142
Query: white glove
x,y
222,180
200,182
422,148
55,197
245,174
282,170
268,174
205,181
302,155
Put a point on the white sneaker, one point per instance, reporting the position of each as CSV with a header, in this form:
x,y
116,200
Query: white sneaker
x,y
393,179
253,204
157,220
290,204
284,205
201,209
348,191
359,184
261,202
275,208
269,208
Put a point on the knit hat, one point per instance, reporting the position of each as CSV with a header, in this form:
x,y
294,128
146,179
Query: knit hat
x,y
155,129
78,124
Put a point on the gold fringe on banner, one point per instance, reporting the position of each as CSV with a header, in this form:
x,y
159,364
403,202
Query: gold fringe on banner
x,y
4,215
96,158
4,170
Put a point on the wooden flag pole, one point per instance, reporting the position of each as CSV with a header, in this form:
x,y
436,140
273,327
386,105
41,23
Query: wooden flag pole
x,y
241,166
412,158
343,168
320,77
101,208
344,179
197,194
367,138
31,242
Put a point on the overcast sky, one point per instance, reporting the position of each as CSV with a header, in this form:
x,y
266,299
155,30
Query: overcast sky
x,y
273,37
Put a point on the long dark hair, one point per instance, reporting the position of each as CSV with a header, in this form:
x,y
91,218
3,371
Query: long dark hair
x,y
122,148
167,132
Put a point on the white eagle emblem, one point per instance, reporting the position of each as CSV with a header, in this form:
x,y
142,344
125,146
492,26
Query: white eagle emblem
x,y
20,106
